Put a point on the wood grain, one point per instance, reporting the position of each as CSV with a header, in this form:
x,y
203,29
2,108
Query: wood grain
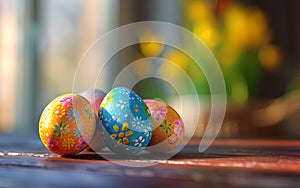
x,y
24,162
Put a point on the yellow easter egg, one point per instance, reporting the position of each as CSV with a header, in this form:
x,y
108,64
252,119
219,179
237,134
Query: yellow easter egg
x,y
67,124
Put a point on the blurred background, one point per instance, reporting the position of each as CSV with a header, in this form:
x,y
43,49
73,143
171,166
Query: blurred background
x,y
256,43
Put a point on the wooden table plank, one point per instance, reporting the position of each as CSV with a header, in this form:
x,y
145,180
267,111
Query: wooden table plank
x,y
231,163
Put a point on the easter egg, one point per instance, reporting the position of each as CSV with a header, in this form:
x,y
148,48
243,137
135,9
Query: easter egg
x,y
126,120
95,97
67,124
168,128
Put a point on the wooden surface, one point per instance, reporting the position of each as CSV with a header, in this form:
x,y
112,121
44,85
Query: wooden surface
x,y
24,162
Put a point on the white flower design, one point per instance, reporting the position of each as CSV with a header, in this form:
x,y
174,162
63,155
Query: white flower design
x,y
78,131
122,104
139,142
173,139
138,123
124,91
73,115
147,131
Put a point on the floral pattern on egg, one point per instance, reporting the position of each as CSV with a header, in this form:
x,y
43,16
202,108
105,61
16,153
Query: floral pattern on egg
x,y
95,97
67,124
168,127
126,120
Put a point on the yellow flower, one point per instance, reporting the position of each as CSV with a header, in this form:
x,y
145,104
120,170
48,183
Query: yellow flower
x,y
108,99
68,143
153,45
178,57
121,135
198,11
208,32
246,27
59,111
270,57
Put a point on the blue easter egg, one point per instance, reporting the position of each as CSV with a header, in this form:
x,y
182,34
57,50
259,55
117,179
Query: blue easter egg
x,y
126,120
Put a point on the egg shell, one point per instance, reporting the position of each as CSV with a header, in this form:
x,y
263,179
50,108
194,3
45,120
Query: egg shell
x,y
126,120
95,97
67,124
168,127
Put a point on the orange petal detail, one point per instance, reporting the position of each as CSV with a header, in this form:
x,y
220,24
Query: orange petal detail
x,y
113,136
116,128
126,141
125,126
129,133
